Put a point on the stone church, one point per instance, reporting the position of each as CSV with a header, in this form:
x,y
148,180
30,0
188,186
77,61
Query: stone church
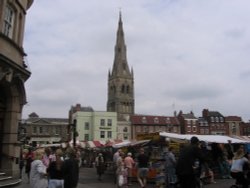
x,y
13,74
121,86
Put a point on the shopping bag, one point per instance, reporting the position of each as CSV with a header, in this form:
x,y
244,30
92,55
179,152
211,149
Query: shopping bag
x,y
120,180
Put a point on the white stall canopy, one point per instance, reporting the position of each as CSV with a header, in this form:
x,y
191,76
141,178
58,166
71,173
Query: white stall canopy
x,y
206,138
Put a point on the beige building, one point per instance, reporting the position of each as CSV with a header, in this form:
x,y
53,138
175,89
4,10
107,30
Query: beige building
x,y
13,74
37,131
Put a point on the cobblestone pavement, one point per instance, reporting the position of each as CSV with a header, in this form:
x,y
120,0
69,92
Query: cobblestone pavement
x,y
88,179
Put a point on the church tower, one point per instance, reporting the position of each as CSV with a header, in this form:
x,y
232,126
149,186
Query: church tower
x,y
120,80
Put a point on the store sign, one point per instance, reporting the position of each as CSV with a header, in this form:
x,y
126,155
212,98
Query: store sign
x,y
105,128
148,136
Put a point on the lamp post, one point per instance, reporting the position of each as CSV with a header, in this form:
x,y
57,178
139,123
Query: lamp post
x,y
74,133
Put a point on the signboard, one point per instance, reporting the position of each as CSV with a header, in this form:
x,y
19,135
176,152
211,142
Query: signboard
x,y
148,136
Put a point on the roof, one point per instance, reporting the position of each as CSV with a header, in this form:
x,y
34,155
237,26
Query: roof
x,y
214,113
153,120
233,118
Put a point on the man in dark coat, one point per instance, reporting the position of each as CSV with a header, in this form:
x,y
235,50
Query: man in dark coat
x,y
70,169
188,164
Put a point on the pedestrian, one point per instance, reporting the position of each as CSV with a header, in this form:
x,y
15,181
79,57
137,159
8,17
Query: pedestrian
x,y
129,164
38,174
121,172
115,158
55,171
21,164
70,169
188,164
239,160
142,160
28,160
100,166
170,165
47,157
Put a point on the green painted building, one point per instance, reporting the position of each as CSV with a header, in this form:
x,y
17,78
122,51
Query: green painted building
x,y
96,125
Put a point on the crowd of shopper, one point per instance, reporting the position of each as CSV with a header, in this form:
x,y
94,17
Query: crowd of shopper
x,y
47,169
193,164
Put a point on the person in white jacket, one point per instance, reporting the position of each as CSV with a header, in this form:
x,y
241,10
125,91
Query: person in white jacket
x,y
38,174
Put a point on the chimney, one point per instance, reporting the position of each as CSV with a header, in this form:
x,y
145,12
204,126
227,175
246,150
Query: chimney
x,y
205,113
78,107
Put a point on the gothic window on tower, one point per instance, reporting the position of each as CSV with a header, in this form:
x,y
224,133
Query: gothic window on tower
x,y
123,89
8,21
127,88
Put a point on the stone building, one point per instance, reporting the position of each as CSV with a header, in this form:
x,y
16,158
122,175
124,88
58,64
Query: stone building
x,y
121,80
13,74
40,130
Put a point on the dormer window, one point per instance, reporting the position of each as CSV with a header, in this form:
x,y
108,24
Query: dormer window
x,y
221,119
156,120
212,119
216,119
167,120
144,120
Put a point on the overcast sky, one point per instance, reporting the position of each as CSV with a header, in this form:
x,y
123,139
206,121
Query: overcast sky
x,y
186,55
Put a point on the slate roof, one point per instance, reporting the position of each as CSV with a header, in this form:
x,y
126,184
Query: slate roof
x,y
153,120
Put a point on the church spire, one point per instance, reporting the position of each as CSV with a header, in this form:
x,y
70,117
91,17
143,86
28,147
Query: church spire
x,y
120,79
120,66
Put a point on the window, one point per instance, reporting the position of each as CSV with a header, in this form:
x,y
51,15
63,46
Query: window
x,y
86,126
102,122
109,122
194,128
167,120
8,22
156,120
40,130
102,134
86,137
216,119
212,119
34,130
188,128
144,120
109,134
146,129
221,119
56,130
125,129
